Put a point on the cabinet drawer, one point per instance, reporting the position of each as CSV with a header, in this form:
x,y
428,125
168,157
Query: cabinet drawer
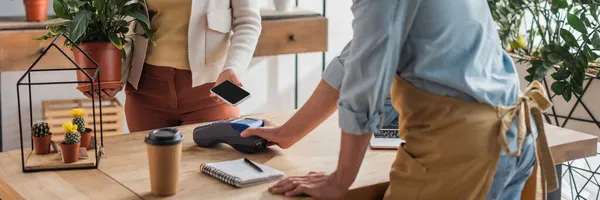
x,y
18,50
291,36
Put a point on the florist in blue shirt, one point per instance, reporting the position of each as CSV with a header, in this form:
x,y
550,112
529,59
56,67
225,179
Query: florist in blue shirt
x,y
448,54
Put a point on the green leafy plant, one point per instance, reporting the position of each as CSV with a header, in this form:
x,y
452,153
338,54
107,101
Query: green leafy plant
x,y
560,36
99,20
41,129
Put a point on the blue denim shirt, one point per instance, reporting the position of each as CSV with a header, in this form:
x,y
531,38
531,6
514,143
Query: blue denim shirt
x,y
448,48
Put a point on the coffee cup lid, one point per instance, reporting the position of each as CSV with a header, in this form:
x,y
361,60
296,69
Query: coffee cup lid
x,y
164,137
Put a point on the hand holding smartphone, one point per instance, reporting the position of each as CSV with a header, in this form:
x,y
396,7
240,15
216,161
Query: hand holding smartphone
x,y
230,93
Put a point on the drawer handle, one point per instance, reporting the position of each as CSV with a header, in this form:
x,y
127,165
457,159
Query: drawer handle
x,y
292,37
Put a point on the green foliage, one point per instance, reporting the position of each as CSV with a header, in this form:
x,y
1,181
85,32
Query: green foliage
x,y
72,138
40,129
562,38
99,20
80,122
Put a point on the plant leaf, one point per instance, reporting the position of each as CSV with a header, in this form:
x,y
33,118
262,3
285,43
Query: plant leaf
x,y
123,54
561,74
60,9
139,16
568,38
576,23
79,24
553,58
577,87
567,93
529,78
148,33
115,40
559,4
596,41
558,87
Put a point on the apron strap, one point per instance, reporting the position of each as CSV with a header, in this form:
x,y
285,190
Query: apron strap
x,y
530,104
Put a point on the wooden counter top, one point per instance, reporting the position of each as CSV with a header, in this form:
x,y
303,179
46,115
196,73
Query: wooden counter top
x,y
123,174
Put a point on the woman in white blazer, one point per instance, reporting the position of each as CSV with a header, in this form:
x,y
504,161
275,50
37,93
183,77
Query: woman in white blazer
x,y
198,44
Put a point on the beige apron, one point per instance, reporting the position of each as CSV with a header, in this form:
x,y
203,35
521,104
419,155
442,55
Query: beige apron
x,y
453,146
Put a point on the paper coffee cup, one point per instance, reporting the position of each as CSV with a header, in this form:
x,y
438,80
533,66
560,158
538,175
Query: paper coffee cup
x,y
164,156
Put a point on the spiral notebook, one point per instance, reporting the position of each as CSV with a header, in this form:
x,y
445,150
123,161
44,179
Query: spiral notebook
x,y
239,174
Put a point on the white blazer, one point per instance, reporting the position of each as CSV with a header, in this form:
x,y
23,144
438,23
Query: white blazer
x,y
222,35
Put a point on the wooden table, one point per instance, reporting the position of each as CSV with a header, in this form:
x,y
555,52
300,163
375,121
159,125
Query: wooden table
x,y
123,174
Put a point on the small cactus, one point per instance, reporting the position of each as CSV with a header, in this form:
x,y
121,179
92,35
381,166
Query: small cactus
x,y
72,136
78,120
41,129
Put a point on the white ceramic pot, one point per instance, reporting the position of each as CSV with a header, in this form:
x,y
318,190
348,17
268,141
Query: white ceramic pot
x,y
283,5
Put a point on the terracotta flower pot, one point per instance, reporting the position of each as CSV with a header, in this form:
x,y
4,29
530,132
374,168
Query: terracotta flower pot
x,y
86,138
36,10
108,58
42,144
70,152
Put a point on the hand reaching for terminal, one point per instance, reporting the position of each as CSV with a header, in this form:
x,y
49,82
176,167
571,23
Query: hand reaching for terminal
x,y
276,135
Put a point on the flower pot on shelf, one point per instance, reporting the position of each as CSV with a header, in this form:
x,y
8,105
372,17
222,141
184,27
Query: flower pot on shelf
x,y
42,144
283,5
108,58
42,137
86,138
70,152
36,10
70,146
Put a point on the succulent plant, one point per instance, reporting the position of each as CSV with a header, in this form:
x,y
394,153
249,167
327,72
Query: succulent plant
x,y
72,136
41,129
78,120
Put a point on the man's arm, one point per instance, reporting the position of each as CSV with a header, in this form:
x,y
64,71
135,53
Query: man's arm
x,y
380,30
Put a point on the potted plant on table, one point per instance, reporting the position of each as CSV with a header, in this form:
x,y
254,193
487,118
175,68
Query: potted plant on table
x,y
86,133
36,10
558,36
70,145
42,137
101,29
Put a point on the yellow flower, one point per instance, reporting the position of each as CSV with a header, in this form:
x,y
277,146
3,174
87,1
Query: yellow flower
x,y
69,127
77,112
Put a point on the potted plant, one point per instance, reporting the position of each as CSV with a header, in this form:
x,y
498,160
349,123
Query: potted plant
x,y
70,145
42,137
100,28
36,10
86,133
558,36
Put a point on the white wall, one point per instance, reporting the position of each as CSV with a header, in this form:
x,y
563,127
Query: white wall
x,y
269,79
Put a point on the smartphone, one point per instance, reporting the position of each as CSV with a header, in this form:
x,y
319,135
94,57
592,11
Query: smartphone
x,y
230,93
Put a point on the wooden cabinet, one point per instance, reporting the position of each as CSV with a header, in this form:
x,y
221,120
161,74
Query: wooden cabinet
x,y
18,50
291,36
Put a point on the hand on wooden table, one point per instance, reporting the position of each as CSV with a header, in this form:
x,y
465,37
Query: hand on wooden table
x,y
315,184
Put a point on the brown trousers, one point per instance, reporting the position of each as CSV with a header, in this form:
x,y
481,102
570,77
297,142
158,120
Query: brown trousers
x,y
453,146
165,98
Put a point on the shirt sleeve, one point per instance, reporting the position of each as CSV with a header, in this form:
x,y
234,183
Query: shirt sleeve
x,y
246,30
380,30
334,73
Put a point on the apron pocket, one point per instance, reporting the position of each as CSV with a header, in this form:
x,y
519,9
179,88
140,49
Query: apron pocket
x,y
217,36
407,177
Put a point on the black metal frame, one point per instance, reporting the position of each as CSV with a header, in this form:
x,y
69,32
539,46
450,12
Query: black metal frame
x,y
570,169
91,80
296,61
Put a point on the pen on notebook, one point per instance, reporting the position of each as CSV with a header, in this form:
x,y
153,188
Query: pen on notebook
x,y
253,165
